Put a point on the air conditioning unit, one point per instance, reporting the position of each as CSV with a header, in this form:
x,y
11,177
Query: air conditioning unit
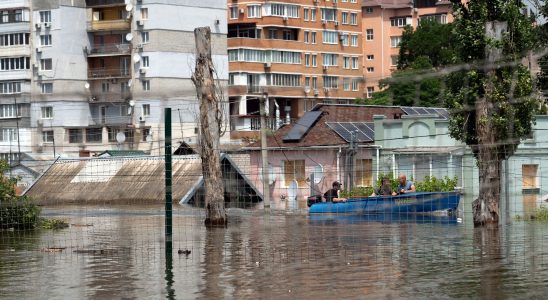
x,y
326,90
316,92
285,18
38,25
307,90
336,23
47,25
142,118
38,49
141,22
267,64
325,68
139,46
341,37
217,21
241,10
324,22
142,70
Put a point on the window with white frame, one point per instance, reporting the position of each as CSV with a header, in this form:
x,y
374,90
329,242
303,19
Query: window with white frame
x,y
370,90
275,79
145,62
329,59
312,14
105,87
329,14
346,84
47,112
369,10
355,84
47,136
307,82
314,82
306,37
145,37
10,110
395,41
45,40
398,22
330,37
355,63
344,39
354,40
344,17
314,60
14,63
370,56
353,19
75,135
46,64
146,85
47,88
144,13
123,110
253,11
346,62
307,60
286,57
369,34
146,110
124,88
282,10
313,37
45,16
13,87
440,18
14,39
370,69
330,82
8,134
306,14
94,135
353,1
234,13
394,60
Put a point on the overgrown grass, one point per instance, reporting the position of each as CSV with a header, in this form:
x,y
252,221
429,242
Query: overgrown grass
x,y
52,223
429,184
539,214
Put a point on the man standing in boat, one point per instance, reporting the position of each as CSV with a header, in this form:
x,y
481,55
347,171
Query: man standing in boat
x,y
333,194
406,186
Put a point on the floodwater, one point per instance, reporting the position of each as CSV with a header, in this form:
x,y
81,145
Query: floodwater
x,y
118,253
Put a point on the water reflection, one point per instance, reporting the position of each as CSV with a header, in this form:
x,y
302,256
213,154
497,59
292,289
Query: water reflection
x,y
272,257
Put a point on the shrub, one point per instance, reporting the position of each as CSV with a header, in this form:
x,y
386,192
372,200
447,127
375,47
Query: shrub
x,y
430,184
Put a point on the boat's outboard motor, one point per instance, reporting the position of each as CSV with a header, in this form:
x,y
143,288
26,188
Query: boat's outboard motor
x,y
313,199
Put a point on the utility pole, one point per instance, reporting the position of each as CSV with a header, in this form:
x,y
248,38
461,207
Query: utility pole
x,y
264,154
17,126
168,183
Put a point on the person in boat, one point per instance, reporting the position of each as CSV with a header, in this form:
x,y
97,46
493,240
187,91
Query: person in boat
x,y
385,189
405,186
332,195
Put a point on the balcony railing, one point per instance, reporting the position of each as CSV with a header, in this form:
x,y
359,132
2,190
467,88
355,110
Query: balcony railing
x,y
121,24
253,123
91,3
101,97
104,73
122,49
255,89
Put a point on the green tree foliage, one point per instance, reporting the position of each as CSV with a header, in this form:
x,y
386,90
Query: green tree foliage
x,y
18,212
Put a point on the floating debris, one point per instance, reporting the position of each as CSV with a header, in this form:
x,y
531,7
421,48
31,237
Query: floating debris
x,y
81,225
96,251
53,249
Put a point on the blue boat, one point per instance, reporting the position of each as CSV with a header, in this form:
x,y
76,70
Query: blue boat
x,y
405,203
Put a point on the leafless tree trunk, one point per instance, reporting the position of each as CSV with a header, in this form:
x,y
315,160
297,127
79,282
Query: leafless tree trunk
x,y
210,125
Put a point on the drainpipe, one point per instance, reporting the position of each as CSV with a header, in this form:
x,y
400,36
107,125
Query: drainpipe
x,y
378,163
339,164
277,114
393,165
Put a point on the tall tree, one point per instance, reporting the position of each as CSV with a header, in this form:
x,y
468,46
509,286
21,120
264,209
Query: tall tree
x,y
210,129
491,100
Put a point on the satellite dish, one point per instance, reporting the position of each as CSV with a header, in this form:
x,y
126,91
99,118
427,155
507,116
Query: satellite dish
x,y
120,137
129,7
86,85
149,138
292,194
129,82
318,173
129,37
136,58
131,103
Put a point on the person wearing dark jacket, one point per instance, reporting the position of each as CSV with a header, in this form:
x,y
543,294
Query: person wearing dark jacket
x,y
385,189
333,194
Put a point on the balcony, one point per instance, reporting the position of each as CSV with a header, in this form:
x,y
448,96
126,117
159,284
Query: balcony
x,y
110,120
109,50
108,73
104,3
110,25
250,123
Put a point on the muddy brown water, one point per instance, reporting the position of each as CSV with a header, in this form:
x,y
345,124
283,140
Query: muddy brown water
x,y
117,252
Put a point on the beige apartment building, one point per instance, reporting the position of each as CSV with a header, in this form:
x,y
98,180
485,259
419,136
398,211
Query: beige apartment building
x,y
294,52
383,24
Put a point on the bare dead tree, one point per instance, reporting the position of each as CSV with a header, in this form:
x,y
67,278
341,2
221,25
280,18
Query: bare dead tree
x,y
210,129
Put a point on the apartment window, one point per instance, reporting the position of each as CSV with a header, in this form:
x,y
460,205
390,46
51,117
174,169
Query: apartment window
x,y
398,22
307,60
370,56
346,62
440,18
94,135
47,88
354,40
305,14
146,85
364,171
370,69
355,84
105,87
14,39
313,14
329,59
394,60
144,37
395,41
46,64
145,133
314,60
306,37
314,82
344,17
369,34
14,63
355,63
146,110
286,57
10,87
346,84
47,112
144,13
283,80
313,37
253,11
370,91
344,39
10,111
234,12
353,1
331,82
529,176
369,10
47,136
329,14
123,110
8,134
330,37
145,61
45,16
354,19
272,34
283,10
45,40
294,170
307,82
75,135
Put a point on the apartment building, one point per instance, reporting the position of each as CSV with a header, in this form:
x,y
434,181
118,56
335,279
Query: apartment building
x,y
296,54
84,76
383,25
